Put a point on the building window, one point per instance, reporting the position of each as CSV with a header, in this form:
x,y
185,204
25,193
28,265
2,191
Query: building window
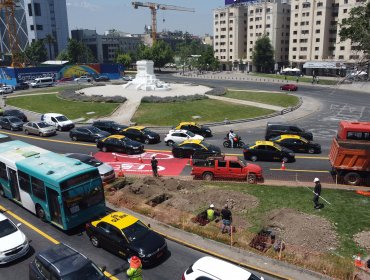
x,y
294,40
319,13
316,57
231,57
344,11
296,7
295,32
320,4
32,27
294,49
342,48
39,27
318,22
317,40
231,35
294,57
341,57
296,24
37,8
30,10
317,31
296,15
316,48
303,49
306,5
231,21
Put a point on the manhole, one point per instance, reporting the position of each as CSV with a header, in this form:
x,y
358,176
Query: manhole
x,y
263,240
158,199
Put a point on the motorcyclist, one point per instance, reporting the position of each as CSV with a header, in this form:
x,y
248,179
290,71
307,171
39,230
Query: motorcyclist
x,y
232,137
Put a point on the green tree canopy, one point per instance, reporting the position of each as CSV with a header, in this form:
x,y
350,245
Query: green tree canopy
x,y
161,53
263,55
77,52
36,52
207,60
124,59
49,40
357,27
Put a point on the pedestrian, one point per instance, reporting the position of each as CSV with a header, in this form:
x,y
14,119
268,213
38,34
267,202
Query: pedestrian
x,y
135,270
297,79
154,163
317,193
226,219
211,213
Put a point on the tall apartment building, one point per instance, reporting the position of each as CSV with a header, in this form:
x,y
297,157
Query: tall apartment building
x,y
314,34
237,28
105,47
35,19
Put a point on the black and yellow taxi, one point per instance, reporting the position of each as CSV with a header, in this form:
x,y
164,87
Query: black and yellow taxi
x,y
194,148
141,134
195,128
119,143
297,144
267,151
127,236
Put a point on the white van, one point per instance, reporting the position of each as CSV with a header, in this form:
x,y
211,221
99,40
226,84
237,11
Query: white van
x,y
43,82
60,121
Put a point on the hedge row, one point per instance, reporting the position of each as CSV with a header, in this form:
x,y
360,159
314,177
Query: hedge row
x,y
171,99
73,96
218,91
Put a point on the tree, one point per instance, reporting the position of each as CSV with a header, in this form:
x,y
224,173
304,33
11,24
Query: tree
x,y
49,40
77,52
357,27
36,52
161,53
124,59
143,52
263,55
207,60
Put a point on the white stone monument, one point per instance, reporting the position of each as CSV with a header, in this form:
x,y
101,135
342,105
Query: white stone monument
x,y
145,78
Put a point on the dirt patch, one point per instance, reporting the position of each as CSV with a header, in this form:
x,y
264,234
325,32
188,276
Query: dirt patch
x,y
363,239
302,231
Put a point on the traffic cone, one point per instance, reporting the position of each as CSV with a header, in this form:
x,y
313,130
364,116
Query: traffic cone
x,y
115,156
358,261
283,165
191,160
120,172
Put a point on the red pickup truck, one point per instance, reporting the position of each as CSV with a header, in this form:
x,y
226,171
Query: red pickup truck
x,y
226,167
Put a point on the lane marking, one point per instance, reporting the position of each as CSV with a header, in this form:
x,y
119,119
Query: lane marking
x,y
15,216
300,170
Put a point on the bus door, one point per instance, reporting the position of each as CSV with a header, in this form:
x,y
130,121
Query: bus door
x,y
54,206
13,182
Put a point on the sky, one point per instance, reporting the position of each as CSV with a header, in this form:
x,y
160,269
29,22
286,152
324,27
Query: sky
x,y
102,15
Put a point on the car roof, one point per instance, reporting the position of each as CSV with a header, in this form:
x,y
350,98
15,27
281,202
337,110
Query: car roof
x,y
119,137
53,114
268,143
120,220
178,131
63,258
192,141
136,127
220,269
291,136
187,123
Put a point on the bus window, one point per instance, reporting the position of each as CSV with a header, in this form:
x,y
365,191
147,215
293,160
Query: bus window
x,y
24,181
38,188
3,173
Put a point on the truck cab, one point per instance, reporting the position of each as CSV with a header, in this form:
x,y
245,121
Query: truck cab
x,y
226,167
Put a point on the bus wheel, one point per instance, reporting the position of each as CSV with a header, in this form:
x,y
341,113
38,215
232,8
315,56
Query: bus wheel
x,y
40,212
2,193
94,241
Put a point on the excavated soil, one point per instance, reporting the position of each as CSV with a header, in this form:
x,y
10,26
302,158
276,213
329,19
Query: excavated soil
x,y
363,239
301,231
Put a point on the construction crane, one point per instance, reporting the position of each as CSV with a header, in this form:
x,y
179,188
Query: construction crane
x,y
153,8
8,6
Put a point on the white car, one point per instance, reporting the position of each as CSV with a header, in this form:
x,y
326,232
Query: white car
x,y
6,89
216,269
83,79
13,243
179,136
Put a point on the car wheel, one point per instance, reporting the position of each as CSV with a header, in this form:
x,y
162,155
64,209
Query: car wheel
x,y
26,132
40,134
251,179
311,150
254,158
59,128
95,241
208,176
170,143
285,159
40,213
74,138
241,144
104,149
147,141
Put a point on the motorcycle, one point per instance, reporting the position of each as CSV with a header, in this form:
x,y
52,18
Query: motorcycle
x,y
238,143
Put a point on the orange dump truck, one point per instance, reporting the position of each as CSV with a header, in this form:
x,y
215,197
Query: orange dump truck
x,y
350,161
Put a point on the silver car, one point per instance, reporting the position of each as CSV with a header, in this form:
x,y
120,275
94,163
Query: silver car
x,y
106,171
39,128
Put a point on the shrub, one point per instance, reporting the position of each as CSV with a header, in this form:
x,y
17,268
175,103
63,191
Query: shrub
x,y
71,95
218,91
171,99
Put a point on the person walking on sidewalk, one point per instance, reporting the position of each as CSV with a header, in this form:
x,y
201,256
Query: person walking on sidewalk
x,y
226,219
135,270
154,163
317,193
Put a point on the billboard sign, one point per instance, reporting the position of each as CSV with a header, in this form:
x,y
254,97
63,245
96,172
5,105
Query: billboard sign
x,y
230,2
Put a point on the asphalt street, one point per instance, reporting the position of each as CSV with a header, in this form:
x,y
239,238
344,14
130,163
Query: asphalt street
x,y
335,105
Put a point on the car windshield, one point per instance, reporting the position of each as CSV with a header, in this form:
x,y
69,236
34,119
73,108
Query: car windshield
x,y
14,120
93,129
278,146
146,130
89,271
276,138
253,277
92,161
42,124
61,118
135,231
6,228
191,134
205,144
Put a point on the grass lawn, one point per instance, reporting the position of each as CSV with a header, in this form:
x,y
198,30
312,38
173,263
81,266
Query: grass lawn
x,y
210,111
278,99
306,79
51,103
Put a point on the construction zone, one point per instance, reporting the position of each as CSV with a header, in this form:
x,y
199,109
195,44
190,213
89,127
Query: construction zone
x,y
264,219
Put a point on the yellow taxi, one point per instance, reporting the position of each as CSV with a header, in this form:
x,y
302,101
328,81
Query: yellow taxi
x,y
141,134
267,151
195,128
194,148
126,236
297,144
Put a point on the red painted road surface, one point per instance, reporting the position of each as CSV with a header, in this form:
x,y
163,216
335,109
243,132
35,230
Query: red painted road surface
x,y
140,164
